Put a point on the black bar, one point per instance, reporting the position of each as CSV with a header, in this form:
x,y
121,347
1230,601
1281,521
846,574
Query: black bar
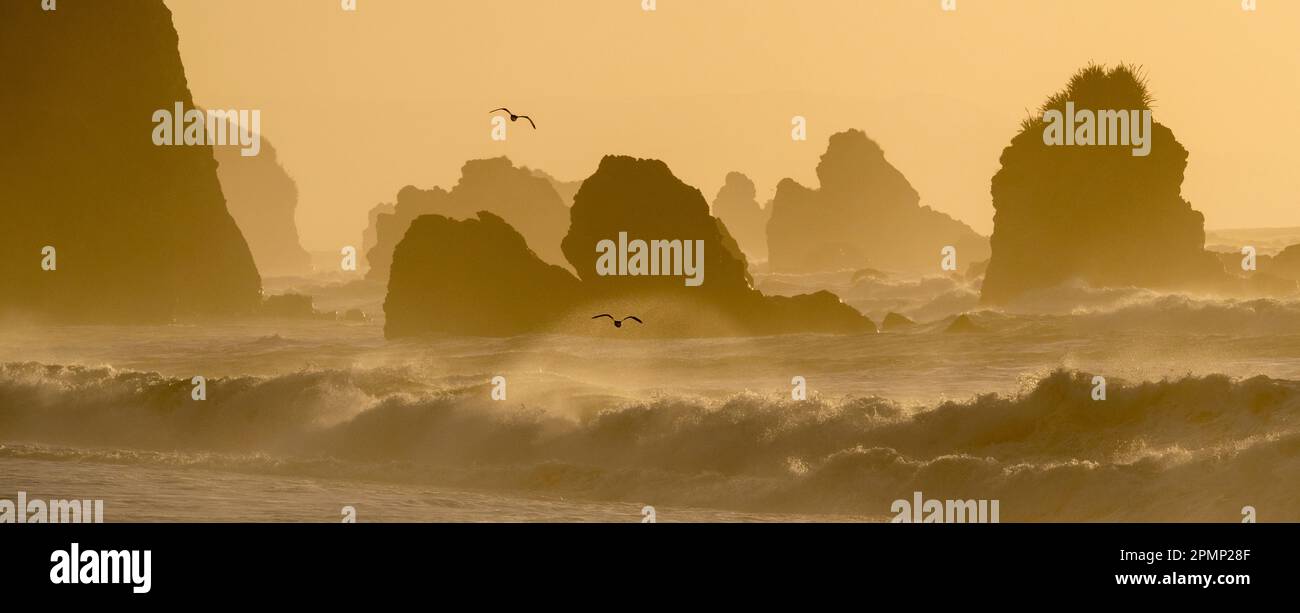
x,y
496,561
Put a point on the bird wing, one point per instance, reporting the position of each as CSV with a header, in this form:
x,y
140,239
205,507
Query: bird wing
x,y
603,315
634,318
530,120
500,109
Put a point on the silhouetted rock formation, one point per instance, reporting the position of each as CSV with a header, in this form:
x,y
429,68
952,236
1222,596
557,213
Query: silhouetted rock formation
x,y
864,214
1265,240
963,324
1095,213
389,228
1285,264
1274,275
480,277
868,274
566,189
262,198
736,206
370,236
894,321
473,277
296,305
523,199
643,199
141,232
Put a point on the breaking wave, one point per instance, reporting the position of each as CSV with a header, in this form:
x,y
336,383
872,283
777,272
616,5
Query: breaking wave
x,y
1188,449
1074,305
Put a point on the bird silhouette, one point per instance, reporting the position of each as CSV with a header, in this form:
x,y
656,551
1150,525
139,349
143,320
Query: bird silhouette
x,y
514,117
618,323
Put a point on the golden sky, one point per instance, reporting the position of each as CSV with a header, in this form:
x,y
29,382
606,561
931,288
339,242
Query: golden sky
x,y
360,104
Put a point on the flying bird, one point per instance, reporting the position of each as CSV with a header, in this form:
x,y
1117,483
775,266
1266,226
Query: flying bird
x,y
514,117
618,323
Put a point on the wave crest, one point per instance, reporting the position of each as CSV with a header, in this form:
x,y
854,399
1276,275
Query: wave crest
x,y
1195,448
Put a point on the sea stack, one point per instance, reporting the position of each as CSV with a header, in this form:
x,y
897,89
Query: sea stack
x,y
97,223
864,214
1099,214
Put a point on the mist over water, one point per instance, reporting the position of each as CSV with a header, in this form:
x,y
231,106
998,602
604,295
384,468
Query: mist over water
x,y
1200,418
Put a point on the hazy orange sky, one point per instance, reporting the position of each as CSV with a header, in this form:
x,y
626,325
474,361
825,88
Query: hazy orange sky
x,y
398,92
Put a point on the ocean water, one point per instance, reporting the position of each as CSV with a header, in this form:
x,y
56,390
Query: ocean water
x,y
303,417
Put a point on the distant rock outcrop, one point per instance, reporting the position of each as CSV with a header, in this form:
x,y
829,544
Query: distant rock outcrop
x,y
473,277
868,274
389,228
1273,275
1285,264
517,195
140,232
1095,213
894,321
963,324
262,198
566,189
480,277
643,199
737,207
865,213
370,236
